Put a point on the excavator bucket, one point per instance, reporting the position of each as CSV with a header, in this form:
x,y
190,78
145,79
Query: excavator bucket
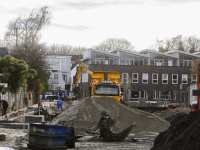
x,y
109,136
108,122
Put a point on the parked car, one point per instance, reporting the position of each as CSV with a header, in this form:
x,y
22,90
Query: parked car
x,y
71,96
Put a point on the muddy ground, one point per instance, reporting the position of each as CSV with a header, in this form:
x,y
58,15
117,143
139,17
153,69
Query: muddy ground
x,y
85,113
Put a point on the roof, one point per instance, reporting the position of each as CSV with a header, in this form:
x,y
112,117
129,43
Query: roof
x,y
132,53
158,53
182,52
103,52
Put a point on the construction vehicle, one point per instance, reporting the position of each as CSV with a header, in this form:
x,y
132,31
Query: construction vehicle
x,y
103,83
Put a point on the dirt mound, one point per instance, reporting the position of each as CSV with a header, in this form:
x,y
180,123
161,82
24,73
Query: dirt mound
x,y
86,114
183,134
172,112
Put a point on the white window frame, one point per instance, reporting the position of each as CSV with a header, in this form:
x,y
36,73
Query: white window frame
x,y
145,94
192,78
127,62
163,78
110,61
174,79
54,78
188,62
140,60
99,61
123,79
184,78
145,78
158,62
154,79
155,95
134,78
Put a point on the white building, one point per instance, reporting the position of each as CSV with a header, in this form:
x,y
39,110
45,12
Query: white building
x,y
60,68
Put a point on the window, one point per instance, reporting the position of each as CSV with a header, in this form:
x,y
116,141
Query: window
x,y
99,61
187,63
63,64
55,78
145,78
56,63
194,78
125,77
164,78
127,62
184,78
134,94
65,78
170,62
155,95
155,78
135,78
174,78
141,62
158,62
143,94
84,77
111,61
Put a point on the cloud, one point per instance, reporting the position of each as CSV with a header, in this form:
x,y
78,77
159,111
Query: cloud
x,y
23,10
77,28
88,4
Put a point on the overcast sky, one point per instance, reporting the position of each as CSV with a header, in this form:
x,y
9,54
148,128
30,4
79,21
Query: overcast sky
x,y
87,23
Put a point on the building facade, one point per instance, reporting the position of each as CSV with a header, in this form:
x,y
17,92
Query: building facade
x,y
60,69
153,75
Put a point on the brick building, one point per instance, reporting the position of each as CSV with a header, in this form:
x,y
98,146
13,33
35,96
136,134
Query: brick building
x,y
154,76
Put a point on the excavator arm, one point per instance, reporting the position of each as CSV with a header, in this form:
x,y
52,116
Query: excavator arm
x,y
79,72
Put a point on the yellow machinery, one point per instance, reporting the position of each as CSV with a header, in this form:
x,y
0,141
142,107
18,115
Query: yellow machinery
x,y
103,83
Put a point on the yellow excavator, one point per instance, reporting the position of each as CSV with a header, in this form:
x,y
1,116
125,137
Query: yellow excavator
x,y
103,83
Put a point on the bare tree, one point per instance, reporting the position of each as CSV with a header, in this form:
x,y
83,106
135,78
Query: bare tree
x,y
25,31
65,50
23,37
113,44
188,44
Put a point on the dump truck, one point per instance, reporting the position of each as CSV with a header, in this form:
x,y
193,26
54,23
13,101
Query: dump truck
x,y
103,83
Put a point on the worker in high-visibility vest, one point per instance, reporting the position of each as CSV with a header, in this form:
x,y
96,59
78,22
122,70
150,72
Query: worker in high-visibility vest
x,y
30,96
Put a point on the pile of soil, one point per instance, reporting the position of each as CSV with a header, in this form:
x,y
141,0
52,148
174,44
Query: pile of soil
x,y
86,113
170,113
183,133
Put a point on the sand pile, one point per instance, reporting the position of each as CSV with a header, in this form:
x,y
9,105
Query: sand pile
x,y
170,114
86,113
183,133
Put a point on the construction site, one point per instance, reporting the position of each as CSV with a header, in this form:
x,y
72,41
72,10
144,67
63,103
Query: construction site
x,y
129,128
102,120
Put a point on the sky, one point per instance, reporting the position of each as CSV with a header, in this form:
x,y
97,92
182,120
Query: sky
x,y
87,23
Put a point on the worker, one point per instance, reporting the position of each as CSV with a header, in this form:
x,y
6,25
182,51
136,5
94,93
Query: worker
x,y
65,95
59,104
30,96
60,94
5,106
